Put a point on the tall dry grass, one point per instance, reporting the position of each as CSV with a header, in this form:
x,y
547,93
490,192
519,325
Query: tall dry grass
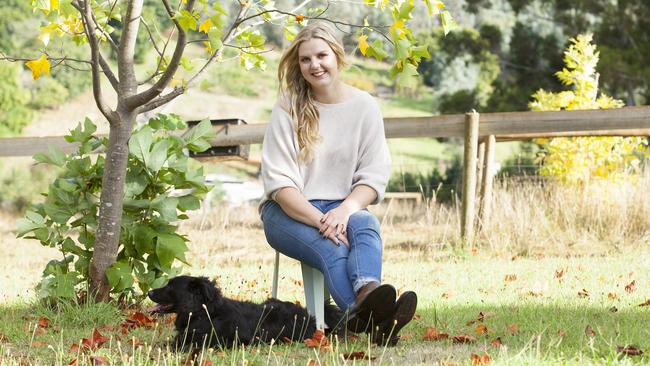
x,y
533,217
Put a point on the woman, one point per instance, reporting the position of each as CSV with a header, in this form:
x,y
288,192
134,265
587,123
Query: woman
x,y
324,160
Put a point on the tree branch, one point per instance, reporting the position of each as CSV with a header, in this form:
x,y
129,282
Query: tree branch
x,y
85,10
126,50
161,100
142,98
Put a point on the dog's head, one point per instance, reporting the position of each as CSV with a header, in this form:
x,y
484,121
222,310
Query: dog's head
x,y
185,294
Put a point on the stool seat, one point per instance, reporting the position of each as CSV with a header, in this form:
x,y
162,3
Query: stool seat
x,y
316,291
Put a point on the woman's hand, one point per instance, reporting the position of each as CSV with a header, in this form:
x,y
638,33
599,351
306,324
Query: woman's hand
x,y
334,223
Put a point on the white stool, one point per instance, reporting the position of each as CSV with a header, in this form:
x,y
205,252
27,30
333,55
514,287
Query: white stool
x,y
315,290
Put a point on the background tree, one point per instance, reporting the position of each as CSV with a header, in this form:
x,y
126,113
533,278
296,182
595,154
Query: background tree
x,y
578,160
214,24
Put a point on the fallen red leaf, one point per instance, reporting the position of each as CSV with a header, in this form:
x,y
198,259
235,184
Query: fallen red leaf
x,y
207,363
496,342
432,334
646,303
318,339
483,359
561,333
359,355
629,350
73,362
589,331
463,339
43,322
94,342
74,348
513,329
631,287
39,344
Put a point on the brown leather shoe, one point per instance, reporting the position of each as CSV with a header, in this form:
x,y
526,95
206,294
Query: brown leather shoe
x,y
386,333
375,303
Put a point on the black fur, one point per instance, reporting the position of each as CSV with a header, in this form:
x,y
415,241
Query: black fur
x,y
205,317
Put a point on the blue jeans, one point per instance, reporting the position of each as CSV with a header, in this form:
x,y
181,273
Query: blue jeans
x,y
345,270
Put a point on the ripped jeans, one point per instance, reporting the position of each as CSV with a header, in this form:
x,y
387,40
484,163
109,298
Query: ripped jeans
x,y
345,270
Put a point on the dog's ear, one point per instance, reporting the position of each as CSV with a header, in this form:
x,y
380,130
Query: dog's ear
x,y
205,289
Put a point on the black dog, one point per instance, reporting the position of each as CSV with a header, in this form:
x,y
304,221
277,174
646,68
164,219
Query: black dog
x,y
206,318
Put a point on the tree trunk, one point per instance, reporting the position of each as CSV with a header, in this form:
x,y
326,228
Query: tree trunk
x,y
110,208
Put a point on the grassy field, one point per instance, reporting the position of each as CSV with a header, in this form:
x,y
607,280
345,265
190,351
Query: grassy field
x,y
558,279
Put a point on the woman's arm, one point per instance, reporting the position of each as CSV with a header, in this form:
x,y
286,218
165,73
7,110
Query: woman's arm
x,y
296,206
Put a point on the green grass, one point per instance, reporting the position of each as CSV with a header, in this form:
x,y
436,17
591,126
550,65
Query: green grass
x,y
549,315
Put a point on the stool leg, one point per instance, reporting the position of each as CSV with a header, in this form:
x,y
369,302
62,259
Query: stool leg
x,y
274,288
314,284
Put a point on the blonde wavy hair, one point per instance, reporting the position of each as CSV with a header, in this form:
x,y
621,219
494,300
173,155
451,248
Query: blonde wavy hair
x,y
295,92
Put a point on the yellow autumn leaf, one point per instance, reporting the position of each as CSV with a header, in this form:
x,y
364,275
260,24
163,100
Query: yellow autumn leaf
x,y
47,31
39,67
205,26
398,28
363,44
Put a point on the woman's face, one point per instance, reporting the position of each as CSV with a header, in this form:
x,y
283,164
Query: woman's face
x,y
318,63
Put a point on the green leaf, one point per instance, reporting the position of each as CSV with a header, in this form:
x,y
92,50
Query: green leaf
x,y
168,247
24,226
214,36
140,144
119,276
196,139
402,49
405,10
136,183
56,156
448,22
189,203
144,237
167,209
158,155
57,213
186,20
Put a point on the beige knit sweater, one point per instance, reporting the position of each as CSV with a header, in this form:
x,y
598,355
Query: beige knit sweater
x,y
352,151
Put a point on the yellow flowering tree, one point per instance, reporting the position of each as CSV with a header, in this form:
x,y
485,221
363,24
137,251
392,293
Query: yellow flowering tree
x,y
578,160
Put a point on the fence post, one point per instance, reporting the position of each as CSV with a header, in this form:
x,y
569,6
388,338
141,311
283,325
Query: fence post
x,y
469,176
487,181
479,168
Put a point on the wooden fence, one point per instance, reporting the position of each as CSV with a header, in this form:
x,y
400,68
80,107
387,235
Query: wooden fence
x,y
480,133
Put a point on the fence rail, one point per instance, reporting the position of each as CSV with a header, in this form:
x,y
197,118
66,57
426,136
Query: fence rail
x,y
479,140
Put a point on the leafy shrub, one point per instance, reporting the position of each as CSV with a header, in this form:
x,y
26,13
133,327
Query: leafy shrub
x,y
149,244
21,186
577,160
14,113
48,93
